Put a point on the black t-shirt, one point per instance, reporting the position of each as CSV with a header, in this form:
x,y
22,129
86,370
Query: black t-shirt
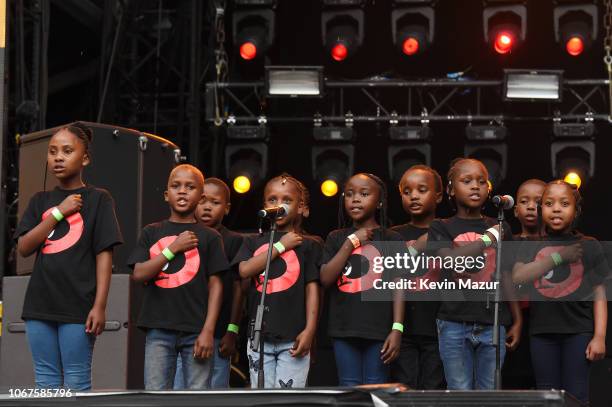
x,y
453,232
285,294
177,298
349,315
420,316
231,243
63,283
561,300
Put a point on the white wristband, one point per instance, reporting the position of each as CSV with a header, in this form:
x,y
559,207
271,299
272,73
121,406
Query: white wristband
x,y
495,233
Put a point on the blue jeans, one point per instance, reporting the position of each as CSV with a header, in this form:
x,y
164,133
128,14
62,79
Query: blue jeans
x,y
559,362
62,354
281,370
220,371
358,361
468,354
162,348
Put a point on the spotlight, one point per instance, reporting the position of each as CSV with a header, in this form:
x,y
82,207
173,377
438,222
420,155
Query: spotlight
x,y
294,81
253,31
412,27
486,144
329,188
505,26
520,85
573,152
246,156
342,32
409,146
576,27
242,184
574,179
333,157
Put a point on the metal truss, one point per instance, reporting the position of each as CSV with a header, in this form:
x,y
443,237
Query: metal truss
x,y
398,101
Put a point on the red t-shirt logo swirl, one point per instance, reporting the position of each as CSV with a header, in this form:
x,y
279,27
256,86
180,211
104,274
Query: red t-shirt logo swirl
x,y
348,284
561,281
287,279
75,231
185,274
486,273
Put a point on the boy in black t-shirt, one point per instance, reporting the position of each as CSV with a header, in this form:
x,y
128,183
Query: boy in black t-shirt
x,y
179,260
419,365
292,294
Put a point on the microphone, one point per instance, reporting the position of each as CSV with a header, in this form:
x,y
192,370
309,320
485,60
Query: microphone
x,y
503,201
274,212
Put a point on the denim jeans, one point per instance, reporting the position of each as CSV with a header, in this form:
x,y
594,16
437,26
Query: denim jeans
x,y
358,361
281,370
468,354
62,354
161,350
220,375
559,362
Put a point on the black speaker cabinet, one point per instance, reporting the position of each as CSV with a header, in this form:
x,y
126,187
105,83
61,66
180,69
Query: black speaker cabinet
x,y
132,165
111,359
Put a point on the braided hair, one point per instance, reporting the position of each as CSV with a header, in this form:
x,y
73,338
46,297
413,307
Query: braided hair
x,y
82,132
381,216
304,195
434,174
577,200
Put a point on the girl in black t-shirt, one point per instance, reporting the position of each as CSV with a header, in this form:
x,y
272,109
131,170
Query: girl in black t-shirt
x,y
366,334
292,293
72,229
465,323
419,365
568,310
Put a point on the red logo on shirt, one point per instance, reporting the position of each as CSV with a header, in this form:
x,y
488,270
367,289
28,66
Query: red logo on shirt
x,y
75,231
351,285
486,273
284,281
431,274
185,274
560,281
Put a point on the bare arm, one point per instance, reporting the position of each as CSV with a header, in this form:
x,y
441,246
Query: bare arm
x,y
332,269
256,264
215,296
31,241
525,272
312,306
600,312
236,311
104,271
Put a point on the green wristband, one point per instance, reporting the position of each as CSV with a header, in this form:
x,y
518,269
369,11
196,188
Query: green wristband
x,y
557,259
57,214
487,240
233,328
280,248
168,254
398,327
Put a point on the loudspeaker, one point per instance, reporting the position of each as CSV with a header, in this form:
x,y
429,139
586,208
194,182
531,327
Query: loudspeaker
x,y
133,166
111,364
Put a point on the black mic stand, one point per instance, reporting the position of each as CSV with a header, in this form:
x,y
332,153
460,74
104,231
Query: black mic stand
x,y
256,334
497,279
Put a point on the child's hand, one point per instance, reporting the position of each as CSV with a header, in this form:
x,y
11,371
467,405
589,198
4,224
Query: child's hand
x,y
291,240
227,347
302,344
72,204
596,349
391,347
187,240
95,321
571,253
364,234
204,345
513,336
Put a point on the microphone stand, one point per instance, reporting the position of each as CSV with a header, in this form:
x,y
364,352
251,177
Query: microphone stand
x,y
256,334
497,300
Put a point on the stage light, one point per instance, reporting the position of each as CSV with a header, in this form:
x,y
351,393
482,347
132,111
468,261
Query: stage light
x,y
294,81
242,184
409,146
574,179
576,27
505,25
329,188
573,152
342,32
521,85
412,27
253,31
486,144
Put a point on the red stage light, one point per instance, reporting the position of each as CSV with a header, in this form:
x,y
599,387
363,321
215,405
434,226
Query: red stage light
x,y
248,51
411,46
503,42
574,46
339,52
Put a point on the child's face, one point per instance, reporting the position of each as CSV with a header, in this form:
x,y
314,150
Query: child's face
x,y
558,207
469,186
361,197
278,193
418,192
214,206
528,198
66,155
185,191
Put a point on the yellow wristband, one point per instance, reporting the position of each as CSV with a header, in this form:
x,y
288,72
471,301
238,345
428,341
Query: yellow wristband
x,y
398,326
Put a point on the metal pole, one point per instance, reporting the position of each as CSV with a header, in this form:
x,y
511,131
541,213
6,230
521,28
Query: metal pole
x,y
3,162
194,81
